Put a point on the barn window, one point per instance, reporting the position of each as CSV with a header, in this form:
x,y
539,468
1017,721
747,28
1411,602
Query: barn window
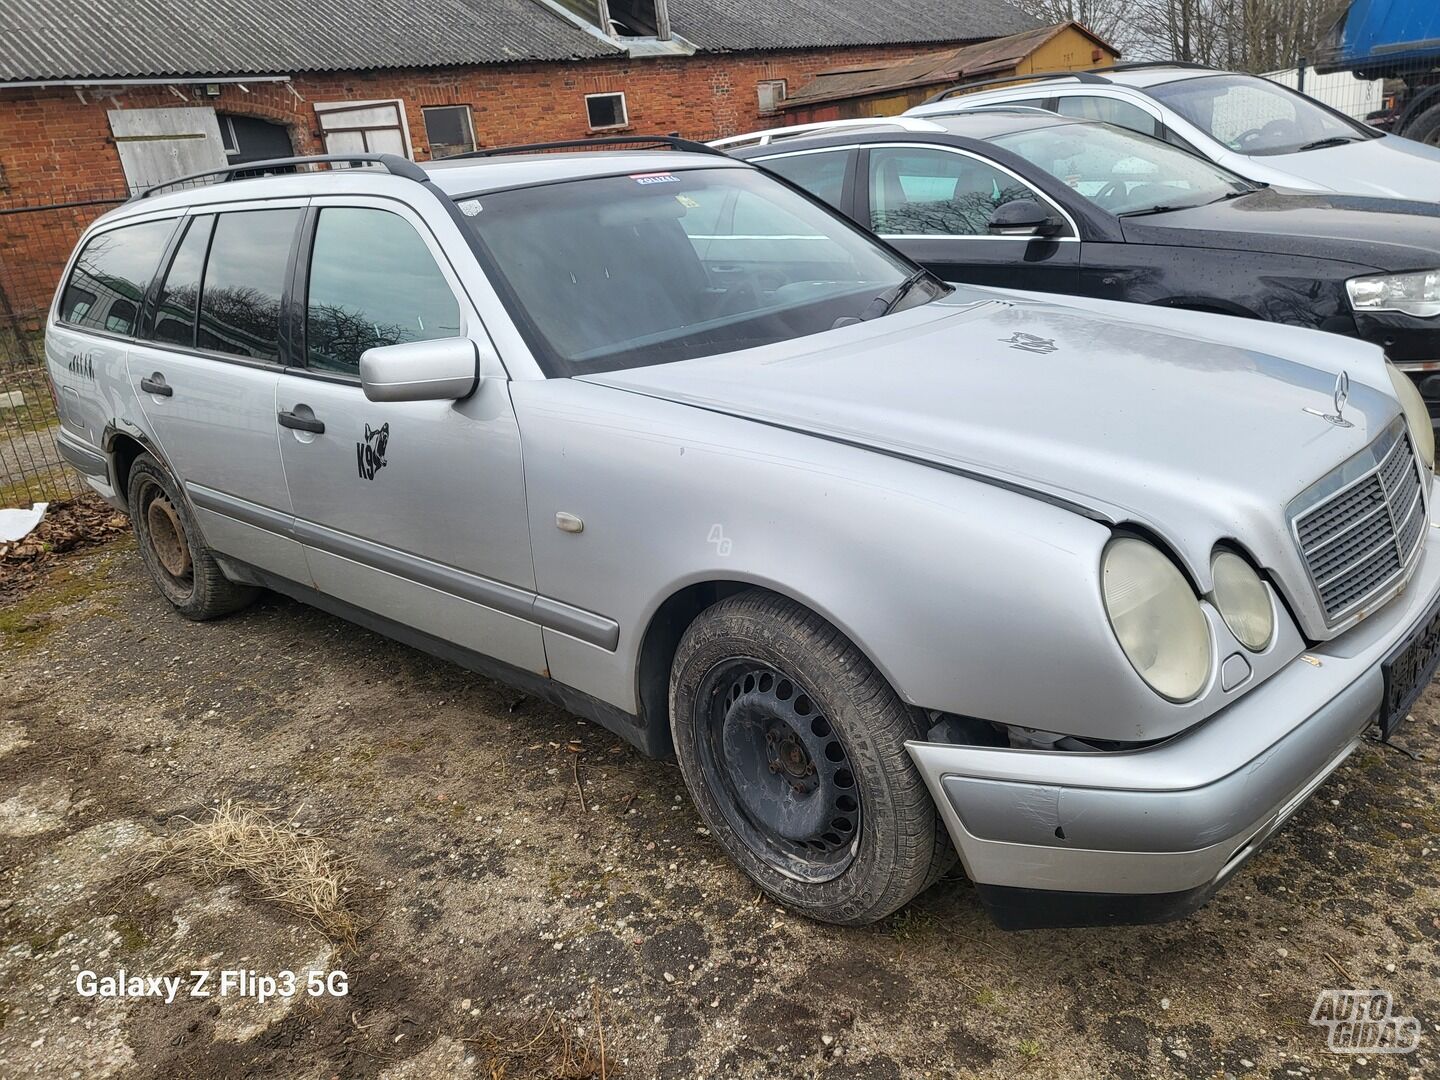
x,y
622,18
449,130
606,111
771,94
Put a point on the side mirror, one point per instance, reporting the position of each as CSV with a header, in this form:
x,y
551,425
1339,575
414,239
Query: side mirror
x,y
440,370
1023,217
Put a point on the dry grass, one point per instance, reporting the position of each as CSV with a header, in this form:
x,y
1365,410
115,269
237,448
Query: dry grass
x,y
549,1054
285,865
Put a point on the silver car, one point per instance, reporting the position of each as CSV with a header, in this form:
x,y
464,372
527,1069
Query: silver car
x,y
1250,125
1092,595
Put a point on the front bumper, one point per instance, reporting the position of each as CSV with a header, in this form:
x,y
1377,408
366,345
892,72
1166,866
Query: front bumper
x,y
1083,839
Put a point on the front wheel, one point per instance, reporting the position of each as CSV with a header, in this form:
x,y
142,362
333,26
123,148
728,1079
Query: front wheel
x,y
793,747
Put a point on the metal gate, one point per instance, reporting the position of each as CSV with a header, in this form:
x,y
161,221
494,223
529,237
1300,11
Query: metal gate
x,y
35,243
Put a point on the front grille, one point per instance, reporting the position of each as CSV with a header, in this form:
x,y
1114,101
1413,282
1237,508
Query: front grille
x,y
1361,538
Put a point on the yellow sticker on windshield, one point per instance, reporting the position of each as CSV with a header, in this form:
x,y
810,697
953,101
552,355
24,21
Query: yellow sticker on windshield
x,y
685,200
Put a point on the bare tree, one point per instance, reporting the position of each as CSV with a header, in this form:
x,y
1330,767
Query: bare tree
x,y
1241,35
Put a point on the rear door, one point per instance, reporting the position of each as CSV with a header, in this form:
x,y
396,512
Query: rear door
x,y
207,373
412,510
826,174
934,204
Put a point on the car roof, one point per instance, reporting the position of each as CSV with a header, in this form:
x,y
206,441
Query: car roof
x,y
1137,78
456,178
982,124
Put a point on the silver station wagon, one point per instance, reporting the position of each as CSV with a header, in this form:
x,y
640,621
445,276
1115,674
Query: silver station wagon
x,y
1090,596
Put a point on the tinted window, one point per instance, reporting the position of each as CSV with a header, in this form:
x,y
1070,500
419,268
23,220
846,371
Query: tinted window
x,y
1110,111
240,305
1256,116
108,284
936,192
180,295
823,175
373,282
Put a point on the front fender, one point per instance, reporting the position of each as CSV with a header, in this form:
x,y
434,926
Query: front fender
x,y
969,597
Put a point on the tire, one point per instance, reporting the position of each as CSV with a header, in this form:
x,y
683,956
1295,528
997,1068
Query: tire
x,y
180,564
1425,128
793,747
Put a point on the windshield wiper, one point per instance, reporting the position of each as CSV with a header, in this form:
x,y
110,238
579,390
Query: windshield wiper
x,y
890,299
1162,209
1334,140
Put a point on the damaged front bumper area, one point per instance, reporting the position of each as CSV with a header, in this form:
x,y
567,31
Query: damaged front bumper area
x,y
1056,838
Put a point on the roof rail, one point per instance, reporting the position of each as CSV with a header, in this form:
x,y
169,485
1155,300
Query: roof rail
x,y
1094,75
769,135
393,163
674,142
964,88
1137,65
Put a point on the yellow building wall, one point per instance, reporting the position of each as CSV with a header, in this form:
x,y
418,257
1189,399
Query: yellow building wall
x,y
1068,50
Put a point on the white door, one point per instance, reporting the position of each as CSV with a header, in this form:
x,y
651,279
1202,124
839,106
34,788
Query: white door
x,y
364,127
162,144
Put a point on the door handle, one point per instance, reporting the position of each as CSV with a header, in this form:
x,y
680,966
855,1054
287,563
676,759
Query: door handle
x,y
156,384
301,423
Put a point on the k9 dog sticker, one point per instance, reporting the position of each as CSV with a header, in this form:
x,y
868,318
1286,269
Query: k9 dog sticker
x,y
370,454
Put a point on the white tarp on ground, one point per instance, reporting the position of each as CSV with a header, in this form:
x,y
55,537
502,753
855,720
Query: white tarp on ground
x,y
18,524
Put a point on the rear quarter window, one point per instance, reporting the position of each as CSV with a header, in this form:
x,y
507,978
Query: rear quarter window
x,y
106,288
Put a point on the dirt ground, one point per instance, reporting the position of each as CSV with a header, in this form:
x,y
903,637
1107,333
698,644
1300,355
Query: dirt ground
x,y
539,900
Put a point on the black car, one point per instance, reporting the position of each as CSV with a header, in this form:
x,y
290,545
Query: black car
x,y
1026,199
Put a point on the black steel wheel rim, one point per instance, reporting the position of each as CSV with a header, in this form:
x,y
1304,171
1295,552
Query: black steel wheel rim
x,y
778,769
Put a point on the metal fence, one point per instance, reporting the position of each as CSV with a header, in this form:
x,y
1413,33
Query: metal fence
x,y
35,241
1397,99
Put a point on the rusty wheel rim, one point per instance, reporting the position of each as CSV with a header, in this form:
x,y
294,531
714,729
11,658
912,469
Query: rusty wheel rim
x,y
167,537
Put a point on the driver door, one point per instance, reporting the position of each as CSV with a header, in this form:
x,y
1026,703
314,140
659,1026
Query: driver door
x,y
413,510
934,204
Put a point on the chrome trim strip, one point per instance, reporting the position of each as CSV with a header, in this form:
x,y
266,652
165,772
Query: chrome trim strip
x,y
549,613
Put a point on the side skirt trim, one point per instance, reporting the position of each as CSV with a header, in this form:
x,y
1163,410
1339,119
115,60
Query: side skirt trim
x,y
544,611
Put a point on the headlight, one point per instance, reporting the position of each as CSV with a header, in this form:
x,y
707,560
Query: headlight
x,y
1411,294
1157,618
1242,600
1417,414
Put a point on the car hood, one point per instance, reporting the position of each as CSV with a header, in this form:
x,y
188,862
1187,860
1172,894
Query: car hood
x,y
1176,425
1363,232
1390,167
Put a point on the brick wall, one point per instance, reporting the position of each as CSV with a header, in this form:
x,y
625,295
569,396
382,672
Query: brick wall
x,y
55,144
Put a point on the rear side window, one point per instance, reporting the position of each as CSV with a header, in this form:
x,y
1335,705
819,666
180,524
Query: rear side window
x,y
244,280
107,288
1110,111
373,282
936,192
180,294
823,175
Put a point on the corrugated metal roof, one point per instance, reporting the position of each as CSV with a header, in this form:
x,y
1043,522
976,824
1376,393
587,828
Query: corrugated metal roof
x,y
744,25
57,39
1001,55
74,39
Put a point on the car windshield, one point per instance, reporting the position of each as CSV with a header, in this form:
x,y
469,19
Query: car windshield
x,y
1256,116
623,271
1123,172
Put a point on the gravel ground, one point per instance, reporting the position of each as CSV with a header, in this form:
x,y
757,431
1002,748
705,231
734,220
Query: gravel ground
x,y
532,888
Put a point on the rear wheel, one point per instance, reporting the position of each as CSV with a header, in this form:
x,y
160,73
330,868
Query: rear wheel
x,y
181,566
793,748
